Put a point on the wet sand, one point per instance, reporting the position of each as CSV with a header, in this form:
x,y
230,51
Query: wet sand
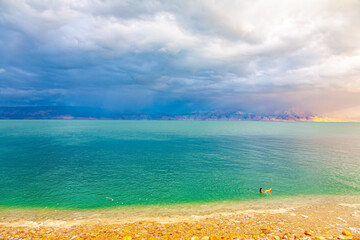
x,y
325,217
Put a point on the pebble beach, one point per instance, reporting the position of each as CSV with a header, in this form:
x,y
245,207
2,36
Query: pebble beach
x,y
309,218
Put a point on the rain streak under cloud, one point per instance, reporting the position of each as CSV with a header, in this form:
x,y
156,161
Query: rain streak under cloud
x,y
181,56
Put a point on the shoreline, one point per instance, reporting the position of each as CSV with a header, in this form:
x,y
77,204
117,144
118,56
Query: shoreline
x,y
246,202
325,216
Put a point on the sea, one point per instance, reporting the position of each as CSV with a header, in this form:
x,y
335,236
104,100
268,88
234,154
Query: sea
x,y
95,164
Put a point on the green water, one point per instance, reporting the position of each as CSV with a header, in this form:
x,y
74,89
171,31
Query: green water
x,y
94,164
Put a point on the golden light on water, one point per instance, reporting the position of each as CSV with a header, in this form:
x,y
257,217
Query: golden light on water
x,y
327,119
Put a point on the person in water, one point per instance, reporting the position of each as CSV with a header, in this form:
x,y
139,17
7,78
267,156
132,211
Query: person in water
x,y
262,191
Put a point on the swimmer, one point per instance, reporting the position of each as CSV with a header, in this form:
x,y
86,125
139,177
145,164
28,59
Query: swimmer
x,y
262,191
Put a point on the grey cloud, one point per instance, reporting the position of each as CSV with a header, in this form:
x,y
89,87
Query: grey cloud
x,y
207,54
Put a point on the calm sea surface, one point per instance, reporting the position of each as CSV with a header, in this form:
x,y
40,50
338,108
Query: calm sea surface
x,y
94,164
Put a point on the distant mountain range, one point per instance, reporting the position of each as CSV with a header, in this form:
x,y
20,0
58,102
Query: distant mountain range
x,y
58,112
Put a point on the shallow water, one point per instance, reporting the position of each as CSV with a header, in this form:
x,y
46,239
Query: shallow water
x,y
95,164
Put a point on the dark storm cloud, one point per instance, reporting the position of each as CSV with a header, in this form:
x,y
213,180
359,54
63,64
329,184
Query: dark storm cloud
x,y
176,56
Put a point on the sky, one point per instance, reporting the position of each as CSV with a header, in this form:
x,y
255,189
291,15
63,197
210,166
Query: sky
x,y
154,56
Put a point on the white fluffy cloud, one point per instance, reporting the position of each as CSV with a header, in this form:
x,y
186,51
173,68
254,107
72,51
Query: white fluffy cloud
x,y
219,48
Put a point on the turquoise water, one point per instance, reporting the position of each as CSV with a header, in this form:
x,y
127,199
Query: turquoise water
x,y
94,164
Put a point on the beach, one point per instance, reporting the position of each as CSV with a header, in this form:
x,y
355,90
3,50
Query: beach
x,y
316,217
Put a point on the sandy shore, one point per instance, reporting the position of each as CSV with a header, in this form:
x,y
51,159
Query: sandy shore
x,y
297,218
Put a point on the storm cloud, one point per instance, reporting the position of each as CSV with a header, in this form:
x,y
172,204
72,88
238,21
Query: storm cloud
x,y
181,56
